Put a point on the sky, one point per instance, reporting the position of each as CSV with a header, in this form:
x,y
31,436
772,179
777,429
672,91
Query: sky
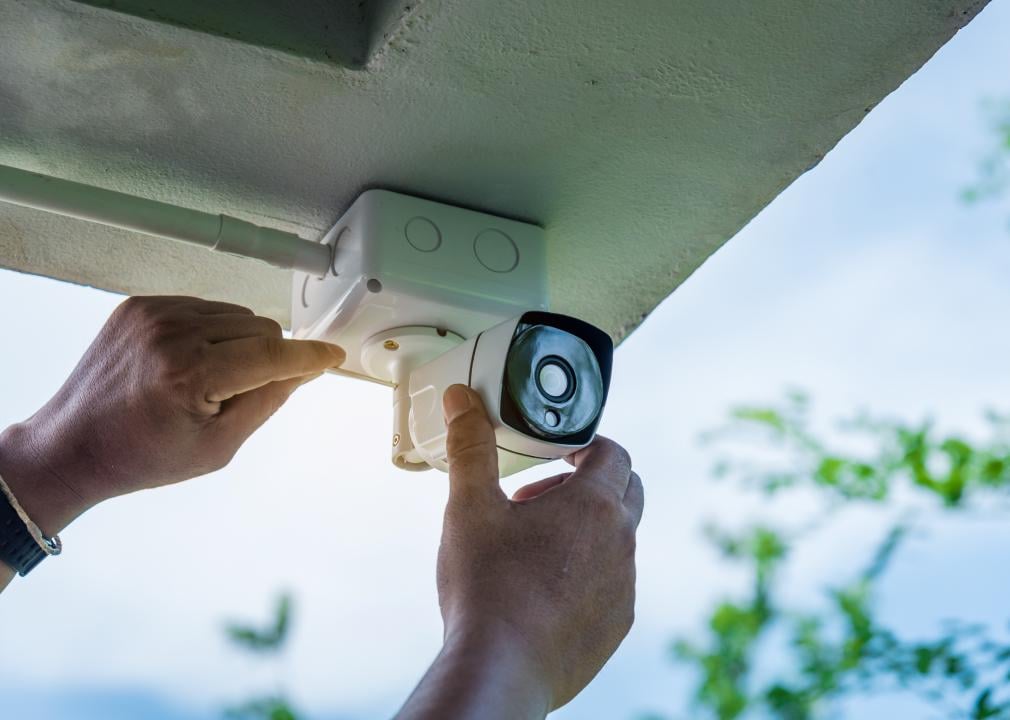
x,y
868,283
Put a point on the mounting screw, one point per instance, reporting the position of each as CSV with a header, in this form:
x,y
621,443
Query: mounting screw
x,y
391,345
396,439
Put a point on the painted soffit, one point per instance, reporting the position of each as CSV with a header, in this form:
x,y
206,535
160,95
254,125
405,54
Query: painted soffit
x,y
642,135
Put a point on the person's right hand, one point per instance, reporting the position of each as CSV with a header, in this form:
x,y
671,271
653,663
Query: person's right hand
x,y
551,572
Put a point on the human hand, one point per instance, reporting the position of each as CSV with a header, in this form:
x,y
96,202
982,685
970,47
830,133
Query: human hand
x,y
170,389
548,576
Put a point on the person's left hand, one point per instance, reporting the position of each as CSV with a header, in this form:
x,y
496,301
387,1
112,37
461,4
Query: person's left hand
x,y
170,389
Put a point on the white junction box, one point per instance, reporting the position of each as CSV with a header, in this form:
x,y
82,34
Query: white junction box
x,y
401,262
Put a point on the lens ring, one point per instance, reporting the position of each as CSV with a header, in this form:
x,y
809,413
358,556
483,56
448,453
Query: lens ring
x,y
558,372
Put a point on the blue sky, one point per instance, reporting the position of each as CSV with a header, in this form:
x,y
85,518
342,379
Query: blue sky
x,y
867,282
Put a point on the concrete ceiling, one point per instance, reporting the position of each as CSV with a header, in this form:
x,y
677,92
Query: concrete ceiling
x,y
642,135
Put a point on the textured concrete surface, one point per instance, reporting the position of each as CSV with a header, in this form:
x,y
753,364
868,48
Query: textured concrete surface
x,y
642,135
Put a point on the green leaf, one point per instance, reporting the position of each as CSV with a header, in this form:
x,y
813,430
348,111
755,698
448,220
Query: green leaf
x,y
269,639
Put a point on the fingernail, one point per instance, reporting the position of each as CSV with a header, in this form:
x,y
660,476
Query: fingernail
x,y
338,353
455,402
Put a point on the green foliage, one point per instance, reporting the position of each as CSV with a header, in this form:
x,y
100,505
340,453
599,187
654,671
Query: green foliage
x,y
843,649
897,454
994,169
267,641
262,709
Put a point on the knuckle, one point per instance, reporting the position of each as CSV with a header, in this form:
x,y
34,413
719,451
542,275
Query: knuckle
x,y
621,454
133,308
628,537
638,488
129,305
182,373
612,450
462,447
270,350
628,619
272,328
600,502
165,330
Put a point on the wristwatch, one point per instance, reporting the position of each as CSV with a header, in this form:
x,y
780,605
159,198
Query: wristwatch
x,y
22,544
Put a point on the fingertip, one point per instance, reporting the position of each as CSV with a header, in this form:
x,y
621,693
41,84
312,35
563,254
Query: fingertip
x,y
601,445
538,488
456,400
338,354
329,355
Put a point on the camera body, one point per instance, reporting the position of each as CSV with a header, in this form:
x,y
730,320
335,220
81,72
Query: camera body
x,y
543,378
422,295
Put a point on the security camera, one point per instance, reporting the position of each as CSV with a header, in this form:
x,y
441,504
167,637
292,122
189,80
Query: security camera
x,y
543,378
423,295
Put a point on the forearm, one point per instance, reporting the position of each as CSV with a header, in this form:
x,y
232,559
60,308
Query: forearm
x,y
486,674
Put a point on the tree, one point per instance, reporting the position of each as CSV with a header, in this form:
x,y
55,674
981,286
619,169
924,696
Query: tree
x,y
844,649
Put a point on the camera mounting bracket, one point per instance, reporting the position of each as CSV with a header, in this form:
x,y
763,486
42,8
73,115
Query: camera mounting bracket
x,y
390,356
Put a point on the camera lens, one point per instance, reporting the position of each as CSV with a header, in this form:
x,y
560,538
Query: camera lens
x,y
554,380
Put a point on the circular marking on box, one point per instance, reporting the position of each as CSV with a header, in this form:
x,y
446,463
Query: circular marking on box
x,y
422,234
496,251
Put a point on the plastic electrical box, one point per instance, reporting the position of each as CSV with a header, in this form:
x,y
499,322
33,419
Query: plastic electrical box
x,y
401,261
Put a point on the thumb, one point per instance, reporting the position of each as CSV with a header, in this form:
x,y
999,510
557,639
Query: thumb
x,y
470,445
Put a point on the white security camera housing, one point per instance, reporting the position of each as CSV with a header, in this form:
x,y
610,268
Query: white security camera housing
x,y
422,295
572,355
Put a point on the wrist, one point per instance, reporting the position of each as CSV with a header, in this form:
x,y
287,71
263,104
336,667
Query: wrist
x,y
39,486
514,661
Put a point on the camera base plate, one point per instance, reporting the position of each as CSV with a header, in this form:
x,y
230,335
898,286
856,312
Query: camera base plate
x,y
391,355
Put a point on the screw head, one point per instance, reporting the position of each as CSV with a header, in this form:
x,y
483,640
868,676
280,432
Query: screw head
x,y
391,345
396,439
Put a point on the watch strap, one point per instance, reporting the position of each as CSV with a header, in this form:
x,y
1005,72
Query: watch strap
x,y
22,545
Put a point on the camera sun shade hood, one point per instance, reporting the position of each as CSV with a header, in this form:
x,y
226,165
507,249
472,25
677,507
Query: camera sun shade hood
x,y
480,363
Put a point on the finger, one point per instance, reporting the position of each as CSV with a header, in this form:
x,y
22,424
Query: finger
x,y
199,305
470,445
238,366
538,488
220,328
214,307
602,461
634,498
243,414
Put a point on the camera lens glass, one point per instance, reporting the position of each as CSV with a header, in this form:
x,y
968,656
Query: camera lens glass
x,y
554,379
